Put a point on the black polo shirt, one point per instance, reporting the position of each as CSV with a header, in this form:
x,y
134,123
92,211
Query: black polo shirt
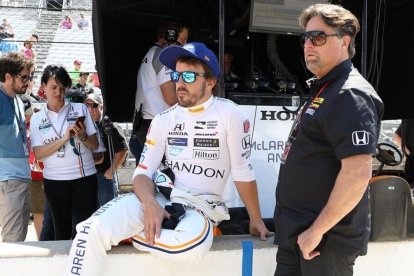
x,y
342,121
118,143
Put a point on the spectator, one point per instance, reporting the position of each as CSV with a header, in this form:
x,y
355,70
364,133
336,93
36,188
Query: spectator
x,y
106,173
66,23
155,91
75,73
83,23
8,45
179,229
2,33
16,71
83,81
28,51
69,172
94,78
8,29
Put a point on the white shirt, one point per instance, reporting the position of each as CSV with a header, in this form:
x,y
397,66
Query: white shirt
x,y
151,75
202,145
48,126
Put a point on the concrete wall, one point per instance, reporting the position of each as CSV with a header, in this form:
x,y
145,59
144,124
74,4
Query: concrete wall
x,y
225,258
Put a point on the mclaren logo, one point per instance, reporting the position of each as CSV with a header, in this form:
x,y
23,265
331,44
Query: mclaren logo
x,y
360,138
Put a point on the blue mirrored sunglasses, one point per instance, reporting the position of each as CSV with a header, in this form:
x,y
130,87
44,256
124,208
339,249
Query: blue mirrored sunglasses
x,y
187,76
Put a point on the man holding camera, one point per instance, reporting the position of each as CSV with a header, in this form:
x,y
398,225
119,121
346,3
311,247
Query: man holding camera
x,y
116,149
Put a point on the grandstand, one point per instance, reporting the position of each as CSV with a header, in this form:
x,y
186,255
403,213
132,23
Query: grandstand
x,y
55,46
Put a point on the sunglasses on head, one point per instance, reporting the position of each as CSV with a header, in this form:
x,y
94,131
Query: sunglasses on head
x,y
187,76
93,105
25,78
318,38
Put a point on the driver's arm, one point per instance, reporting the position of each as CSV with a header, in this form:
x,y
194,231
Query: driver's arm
x,y
350,185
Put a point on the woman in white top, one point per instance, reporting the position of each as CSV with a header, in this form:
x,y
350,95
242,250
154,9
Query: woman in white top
x,y
65,146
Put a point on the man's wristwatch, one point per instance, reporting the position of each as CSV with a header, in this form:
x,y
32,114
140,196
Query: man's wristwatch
x,y
83,138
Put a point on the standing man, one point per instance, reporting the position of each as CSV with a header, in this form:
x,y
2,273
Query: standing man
x,y
75,73
105,171
155,91
177,222
16,72
322,207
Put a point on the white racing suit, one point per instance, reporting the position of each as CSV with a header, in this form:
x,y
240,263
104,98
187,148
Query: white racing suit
x,y
201,146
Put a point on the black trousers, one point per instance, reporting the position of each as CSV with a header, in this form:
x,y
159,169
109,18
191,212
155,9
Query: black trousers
x,y
71,202
290,262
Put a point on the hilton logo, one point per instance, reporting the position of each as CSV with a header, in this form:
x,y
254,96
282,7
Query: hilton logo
x,y
206,154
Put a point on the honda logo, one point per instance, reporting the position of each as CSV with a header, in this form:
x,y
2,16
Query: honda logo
x,y
360,138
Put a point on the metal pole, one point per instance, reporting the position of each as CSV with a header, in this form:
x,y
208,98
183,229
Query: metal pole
x,y
364,39
221,48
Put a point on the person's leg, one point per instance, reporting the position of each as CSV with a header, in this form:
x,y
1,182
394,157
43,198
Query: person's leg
x,y
117,220
84,199
14,209
38,223
37,205
59,196
329,263
105,190
48,231
288,261
188,242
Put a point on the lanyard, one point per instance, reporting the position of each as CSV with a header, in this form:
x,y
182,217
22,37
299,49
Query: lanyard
x,y
314,98
295,125
61,126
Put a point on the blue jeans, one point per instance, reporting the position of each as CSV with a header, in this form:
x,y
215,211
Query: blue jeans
x,y
47,233
105,189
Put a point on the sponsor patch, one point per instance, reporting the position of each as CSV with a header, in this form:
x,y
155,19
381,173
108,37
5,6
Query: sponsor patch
x,y
206,134
212,124
177,141
206,142
174,151
200,125
246,126
206,154
179,127
360,138
150,142
142,166
246,142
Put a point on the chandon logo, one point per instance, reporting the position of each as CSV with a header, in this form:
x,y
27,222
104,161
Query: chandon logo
x,y
195,169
